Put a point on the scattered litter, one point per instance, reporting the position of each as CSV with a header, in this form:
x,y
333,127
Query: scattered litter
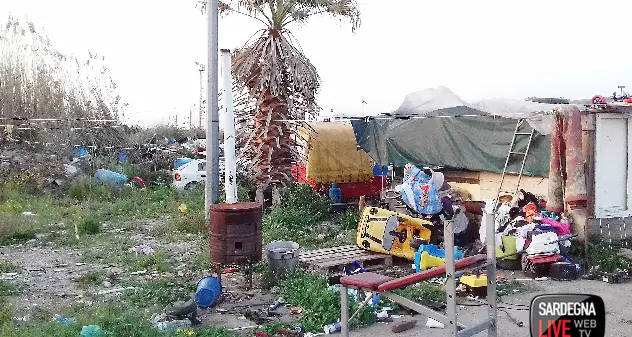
x,y
64,320
332,328
142,249
433,323
107,284
91,331
230,270
79,264
58,270
115,290
183,208
382,314
28,214
8,276
140,272
171,326
296,310
244,328
532,279
275,304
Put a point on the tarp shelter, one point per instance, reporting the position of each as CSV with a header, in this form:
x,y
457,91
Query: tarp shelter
x,y
333,155
436,127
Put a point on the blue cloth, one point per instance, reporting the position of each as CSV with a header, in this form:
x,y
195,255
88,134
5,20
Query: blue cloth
x,y
418,191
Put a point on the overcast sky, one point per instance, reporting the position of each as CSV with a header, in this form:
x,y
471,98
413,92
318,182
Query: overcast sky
x,y
478,49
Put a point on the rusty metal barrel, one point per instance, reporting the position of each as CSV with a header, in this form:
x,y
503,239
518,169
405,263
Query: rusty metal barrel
x,y
235,233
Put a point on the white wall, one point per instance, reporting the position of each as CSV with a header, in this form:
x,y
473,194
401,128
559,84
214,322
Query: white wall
x,y
613,172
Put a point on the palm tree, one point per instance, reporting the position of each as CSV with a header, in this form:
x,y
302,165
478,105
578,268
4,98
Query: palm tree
x,y
280,81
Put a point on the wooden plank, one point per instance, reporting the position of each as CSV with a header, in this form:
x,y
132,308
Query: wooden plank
x,y
332,249
330,252
334,263
315,259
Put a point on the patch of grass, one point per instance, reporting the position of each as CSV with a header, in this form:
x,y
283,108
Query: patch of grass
x,y
349,220
158,261
8,289
8,267
272,328
114,319
425,293
159,293
605,258
89,226
297,217
320,304
91,279
512,287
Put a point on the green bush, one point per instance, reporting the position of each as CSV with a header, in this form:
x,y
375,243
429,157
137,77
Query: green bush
x,y
89,226
605,258
320,305
298,215
350,220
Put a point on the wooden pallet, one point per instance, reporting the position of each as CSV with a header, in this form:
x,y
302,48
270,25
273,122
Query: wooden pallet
x,y
334,259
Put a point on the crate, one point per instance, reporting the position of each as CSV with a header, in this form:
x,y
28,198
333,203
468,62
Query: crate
x,y
336,258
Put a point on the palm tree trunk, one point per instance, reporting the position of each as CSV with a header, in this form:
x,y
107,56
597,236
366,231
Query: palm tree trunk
x,y
274,148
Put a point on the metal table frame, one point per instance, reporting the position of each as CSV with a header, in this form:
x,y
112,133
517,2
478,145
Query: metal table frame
x,y
453,326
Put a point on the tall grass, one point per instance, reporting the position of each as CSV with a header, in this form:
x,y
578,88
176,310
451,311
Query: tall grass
x,y
41,82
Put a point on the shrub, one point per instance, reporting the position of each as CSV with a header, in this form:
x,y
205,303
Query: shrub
x,y
89,226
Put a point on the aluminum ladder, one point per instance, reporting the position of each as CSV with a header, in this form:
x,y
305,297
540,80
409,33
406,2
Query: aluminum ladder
x,y
512,152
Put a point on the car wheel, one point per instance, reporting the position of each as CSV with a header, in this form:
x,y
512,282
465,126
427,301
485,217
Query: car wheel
x,y
191,185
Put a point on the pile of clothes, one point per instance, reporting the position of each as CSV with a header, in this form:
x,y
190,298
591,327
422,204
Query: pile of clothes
x,y
526,224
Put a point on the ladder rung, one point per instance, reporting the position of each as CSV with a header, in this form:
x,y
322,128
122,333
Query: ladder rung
x,y
509,172
520,153
523,134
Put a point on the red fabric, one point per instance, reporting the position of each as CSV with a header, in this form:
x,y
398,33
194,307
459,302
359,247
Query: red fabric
x,y
371,188
430,273
567,181
365,280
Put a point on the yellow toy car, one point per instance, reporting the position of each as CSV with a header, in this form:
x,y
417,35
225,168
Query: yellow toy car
x,y
386,232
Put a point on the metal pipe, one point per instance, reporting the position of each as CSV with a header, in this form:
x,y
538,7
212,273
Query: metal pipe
x,y
344,311
450,270
491,272
212,121
230,179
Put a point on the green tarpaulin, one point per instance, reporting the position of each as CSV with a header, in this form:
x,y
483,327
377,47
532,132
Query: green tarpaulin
x,y
478,143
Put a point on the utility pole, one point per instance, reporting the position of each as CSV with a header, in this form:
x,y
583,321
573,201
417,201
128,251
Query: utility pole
x,y
201,69
190,118
212,120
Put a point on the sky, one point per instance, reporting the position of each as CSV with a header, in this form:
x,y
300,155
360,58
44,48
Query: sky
x,y
478,49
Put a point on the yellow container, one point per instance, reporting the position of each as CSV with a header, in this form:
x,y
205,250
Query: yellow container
x,y
386,232
473,281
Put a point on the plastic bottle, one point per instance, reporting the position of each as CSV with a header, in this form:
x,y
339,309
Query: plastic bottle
x,y
171,326
275,304
64,320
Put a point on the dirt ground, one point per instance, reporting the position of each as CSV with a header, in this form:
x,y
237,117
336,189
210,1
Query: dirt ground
x,y
615,296
49,273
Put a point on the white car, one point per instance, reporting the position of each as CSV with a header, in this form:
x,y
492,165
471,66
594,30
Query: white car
x,y
192,173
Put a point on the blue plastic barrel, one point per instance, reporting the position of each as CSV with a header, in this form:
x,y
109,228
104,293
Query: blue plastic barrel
x,y
208,290
111,178
179,162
